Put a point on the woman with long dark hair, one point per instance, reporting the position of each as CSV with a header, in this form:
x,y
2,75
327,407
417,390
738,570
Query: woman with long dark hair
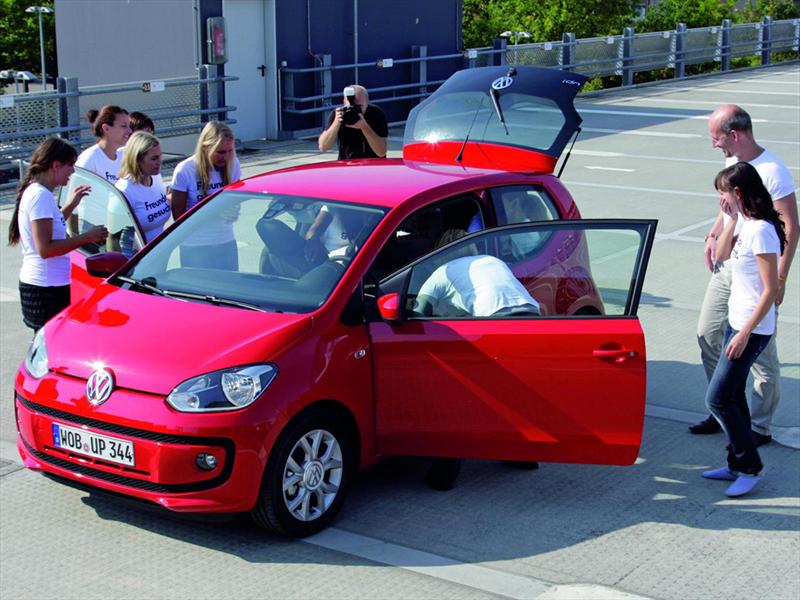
x,y
39,226
753,258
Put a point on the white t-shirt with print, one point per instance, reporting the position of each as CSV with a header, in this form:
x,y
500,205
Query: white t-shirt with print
x,y
37,202
185,179
774,175
95,160
148,203
755,237
478,285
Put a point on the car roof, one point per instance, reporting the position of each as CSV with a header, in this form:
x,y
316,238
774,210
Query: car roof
x,y
381,182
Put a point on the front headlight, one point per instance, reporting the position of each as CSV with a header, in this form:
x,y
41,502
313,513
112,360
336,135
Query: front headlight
x,y
228,389
36,360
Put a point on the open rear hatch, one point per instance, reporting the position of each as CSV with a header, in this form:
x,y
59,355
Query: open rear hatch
x,y
507,118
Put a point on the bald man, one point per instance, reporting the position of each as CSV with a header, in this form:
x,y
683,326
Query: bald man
x,y
731,131
366,138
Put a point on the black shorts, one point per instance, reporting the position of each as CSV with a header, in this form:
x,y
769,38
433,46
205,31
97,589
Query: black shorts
x,y
40,304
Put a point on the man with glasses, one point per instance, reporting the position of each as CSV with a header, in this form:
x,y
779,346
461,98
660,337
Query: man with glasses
x,y
731,131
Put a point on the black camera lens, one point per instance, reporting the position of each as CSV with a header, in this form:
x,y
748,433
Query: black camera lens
x,y
350,114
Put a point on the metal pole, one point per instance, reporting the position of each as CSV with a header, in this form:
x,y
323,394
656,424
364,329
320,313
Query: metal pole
x,y
41,51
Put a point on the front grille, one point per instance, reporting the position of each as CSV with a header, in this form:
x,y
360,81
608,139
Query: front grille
x,y
142,434
111,427
139,484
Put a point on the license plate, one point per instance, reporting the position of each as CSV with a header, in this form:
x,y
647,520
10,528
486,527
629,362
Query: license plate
x,y
81,441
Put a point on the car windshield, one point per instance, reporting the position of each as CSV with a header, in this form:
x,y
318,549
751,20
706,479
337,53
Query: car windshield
x,y
268,252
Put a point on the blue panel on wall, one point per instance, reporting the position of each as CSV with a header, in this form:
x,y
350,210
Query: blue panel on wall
x,y
308,29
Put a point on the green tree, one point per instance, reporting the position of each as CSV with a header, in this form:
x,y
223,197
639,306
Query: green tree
x,y
19,37
755,10
545,20
695,13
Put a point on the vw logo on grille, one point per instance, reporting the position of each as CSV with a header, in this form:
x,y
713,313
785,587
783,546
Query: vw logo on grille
x,y
502,83
99,386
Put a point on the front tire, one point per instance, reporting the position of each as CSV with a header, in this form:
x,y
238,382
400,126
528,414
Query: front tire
x,y
307,475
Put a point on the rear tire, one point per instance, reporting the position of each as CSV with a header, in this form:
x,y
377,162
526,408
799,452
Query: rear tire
x,y
307,475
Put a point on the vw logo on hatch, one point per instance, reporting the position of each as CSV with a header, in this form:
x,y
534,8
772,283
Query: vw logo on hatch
x,y
99,386
502,83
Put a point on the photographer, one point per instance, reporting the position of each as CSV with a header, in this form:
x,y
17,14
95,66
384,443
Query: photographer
x,y
359,127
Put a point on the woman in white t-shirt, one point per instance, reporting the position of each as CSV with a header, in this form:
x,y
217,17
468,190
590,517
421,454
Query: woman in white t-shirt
x,y
143,188
212,166
751,314
111,126
39,226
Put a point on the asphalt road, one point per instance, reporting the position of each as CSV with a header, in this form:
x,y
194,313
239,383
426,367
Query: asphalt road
x,y
655,529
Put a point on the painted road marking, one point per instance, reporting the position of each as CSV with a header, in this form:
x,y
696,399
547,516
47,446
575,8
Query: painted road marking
x,y
596,168
474,576
649,157
644,133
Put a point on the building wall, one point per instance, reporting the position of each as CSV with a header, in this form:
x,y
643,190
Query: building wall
x,y
308,29
115,41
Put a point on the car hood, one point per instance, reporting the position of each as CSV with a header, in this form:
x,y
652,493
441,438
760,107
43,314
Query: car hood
x,y
460,124
152,343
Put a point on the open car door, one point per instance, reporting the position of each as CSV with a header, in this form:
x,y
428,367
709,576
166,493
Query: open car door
x,y
104,205
565,386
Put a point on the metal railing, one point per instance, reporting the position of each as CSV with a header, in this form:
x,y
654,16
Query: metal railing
x,y
178,106
620,55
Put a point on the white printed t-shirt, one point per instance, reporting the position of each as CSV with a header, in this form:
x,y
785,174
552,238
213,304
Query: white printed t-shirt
x,y
478,285
774,175
148,203
95,160
185,179
755,237
37,202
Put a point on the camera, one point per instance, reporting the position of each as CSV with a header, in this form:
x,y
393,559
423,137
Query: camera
x,y
351,112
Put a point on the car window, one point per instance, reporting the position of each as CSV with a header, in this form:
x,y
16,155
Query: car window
x,y
571,268
259,249
421,232
522,204
104,205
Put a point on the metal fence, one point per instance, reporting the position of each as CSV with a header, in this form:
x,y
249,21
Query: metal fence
x,y
617,55
178,106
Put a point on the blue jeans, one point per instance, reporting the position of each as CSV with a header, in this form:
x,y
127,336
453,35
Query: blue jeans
x,y
727,401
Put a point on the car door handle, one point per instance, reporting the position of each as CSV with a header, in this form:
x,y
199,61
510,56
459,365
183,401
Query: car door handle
x,y
618,355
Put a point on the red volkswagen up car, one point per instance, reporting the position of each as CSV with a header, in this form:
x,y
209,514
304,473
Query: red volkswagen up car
x,y
264,388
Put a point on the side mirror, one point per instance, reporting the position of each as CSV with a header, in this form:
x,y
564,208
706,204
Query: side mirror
x,y
389,308
105,264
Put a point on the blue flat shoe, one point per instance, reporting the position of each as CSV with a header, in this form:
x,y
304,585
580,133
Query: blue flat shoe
x,y
722,474
744,484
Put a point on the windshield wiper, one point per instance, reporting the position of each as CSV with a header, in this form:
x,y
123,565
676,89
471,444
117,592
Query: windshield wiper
x,y
496,101
211,299
146,283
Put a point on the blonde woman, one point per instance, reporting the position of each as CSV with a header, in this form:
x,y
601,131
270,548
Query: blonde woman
x,y
143,188
212,166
